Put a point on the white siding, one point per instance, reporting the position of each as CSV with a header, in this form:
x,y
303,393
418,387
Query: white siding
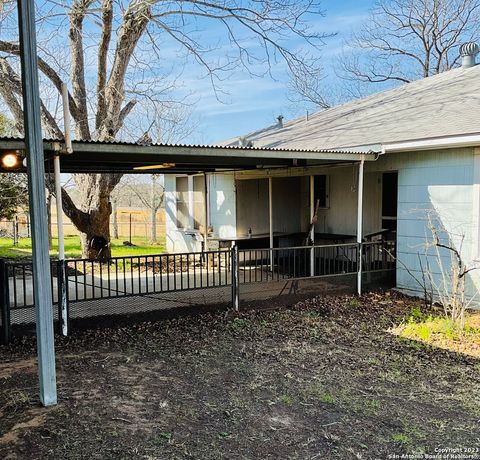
x,y
287,203
341,216
222,205
221,213
444,184
436,186
177,240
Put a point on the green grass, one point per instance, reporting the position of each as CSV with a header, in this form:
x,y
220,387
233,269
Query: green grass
x,y
72,248
440,331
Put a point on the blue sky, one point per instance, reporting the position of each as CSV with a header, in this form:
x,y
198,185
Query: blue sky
x,y
252,103
247,103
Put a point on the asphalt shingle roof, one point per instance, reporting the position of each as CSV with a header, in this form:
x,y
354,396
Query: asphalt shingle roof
x,y
442,105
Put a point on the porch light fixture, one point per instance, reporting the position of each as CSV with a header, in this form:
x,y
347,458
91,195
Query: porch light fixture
x,y
10,161
162,166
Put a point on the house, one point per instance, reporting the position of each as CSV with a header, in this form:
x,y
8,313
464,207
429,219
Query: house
x,y
420,144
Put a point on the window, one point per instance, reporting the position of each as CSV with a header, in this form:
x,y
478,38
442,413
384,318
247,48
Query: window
x,y
198,202
190,202
320,185
183,219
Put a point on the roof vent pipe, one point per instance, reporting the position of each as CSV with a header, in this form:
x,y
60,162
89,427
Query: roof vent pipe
x,y
280,121
244,142
468,52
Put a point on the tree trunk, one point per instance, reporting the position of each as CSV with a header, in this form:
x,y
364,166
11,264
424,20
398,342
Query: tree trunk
x,y
93,219
95,235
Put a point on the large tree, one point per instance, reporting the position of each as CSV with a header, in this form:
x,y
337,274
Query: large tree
x,y
115,65
404,40
13,194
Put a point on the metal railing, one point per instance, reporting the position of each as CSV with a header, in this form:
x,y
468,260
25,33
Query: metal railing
x,y
82,280
378,256
138,275
261,265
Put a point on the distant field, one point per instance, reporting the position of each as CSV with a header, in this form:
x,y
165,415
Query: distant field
x,y
72,247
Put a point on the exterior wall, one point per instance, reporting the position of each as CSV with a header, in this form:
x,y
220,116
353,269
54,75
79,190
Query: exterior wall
x,y
222,213
341,214
438,187
222,205
252,205
442,186
291,203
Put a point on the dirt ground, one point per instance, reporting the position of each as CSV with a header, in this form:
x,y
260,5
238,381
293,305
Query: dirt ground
x,y
323,379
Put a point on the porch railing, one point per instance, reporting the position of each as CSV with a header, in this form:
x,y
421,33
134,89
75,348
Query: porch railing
x,y
84,280
260,265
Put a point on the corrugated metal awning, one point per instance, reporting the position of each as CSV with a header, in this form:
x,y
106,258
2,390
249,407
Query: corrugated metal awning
x,y
125,157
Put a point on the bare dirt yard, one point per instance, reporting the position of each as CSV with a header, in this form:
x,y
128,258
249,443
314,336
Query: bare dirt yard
x,y
323,379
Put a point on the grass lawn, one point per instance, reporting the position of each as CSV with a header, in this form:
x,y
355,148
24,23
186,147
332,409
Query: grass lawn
x,y
441,332
72,248
324,379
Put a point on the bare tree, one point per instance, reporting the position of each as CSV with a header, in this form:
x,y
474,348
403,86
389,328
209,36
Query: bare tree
x,y
116,62
309,89
443,277
404,40
449,284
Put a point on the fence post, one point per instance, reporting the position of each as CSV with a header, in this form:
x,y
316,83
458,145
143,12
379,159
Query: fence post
x,y
312,260
235,278
4,303
15,231
62,289
359,267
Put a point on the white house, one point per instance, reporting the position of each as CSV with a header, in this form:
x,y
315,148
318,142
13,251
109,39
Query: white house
x,y
421,146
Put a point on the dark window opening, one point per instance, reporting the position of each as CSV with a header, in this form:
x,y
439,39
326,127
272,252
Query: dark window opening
x,y
389,200
321,190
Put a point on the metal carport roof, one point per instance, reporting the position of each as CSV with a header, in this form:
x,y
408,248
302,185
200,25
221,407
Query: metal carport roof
x,y
124,157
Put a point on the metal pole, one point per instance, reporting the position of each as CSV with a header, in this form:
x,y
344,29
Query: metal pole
x,y
4,302
235,278
42,292
191,219
312,232
205,236
61,272
58,202
270,218
360,225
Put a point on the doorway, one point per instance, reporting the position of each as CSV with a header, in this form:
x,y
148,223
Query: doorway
x,y
389,201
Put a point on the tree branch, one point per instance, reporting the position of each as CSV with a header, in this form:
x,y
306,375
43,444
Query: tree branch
x,y
77,15
107,18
